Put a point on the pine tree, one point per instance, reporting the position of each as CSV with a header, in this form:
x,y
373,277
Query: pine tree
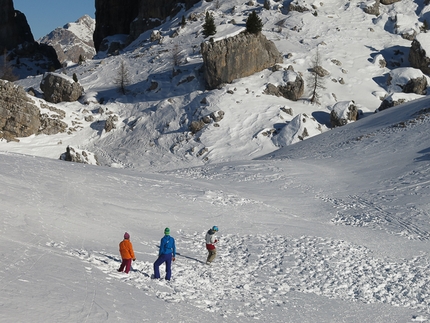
x,y
209,28
123,77
315,81
254,25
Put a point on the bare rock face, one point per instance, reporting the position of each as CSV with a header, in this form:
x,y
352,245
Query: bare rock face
x,y
59,88
236,57
133,17
17,39
19,117
14,29
113,17
417,54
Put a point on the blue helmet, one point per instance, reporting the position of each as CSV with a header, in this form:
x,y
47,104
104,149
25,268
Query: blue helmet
x,y
215,228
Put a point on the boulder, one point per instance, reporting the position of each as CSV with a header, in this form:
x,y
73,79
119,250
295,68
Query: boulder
x,y
372,7
418,54
388,2
236,57
407,80
59,88
75,155
293,88
198,125
111,123
342,113
396,99
299,6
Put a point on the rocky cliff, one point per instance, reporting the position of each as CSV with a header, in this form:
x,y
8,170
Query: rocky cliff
x,y
73,40
235,57
133,17
25,56
14,29
113,17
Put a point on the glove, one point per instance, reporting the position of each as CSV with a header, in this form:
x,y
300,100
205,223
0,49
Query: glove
x,y
216,241
173,258
134,259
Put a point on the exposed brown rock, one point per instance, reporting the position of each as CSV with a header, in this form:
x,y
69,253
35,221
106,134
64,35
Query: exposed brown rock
x,y
237,57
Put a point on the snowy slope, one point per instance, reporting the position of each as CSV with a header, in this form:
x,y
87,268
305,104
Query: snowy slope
x,y
154,116
309,234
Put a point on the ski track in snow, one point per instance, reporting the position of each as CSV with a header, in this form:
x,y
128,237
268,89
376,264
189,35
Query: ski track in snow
x,y
254,273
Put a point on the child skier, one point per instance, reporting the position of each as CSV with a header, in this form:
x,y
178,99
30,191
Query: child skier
x,y
210,244
127,253
166,254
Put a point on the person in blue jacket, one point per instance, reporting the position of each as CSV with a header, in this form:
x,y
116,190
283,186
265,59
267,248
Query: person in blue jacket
x,y
166,254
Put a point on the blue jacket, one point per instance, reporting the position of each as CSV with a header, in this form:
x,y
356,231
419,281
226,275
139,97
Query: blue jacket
x,y
167,246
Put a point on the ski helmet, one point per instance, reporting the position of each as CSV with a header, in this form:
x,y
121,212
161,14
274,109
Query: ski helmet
x,y
167,231
215,228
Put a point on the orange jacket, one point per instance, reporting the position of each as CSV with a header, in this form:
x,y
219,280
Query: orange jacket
x,y
126,249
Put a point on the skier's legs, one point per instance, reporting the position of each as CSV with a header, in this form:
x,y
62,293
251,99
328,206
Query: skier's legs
x,y
157,264
211,255
123,263
127,265
168,260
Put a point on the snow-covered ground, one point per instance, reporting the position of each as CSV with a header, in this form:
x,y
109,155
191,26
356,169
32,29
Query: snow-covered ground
x,y
331,229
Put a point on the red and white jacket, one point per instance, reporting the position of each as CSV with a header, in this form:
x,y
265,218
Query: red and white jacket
x,y
210,240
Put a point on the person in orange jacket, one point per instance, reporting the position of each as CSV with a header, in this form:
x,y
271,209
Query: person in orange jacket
x,y
127,254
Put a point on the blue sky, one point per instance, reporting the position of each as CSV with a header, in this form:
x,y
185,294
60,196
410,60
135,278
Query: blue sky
x,y
44,16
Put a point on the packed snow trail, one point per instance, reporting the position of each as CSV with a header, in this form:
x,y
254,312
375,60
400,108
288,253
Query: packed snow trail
x,y
254,273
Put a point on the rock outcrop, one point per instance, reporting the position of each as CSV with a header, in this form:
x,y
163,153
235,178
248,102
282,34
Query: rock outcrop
x,y
73,40
20,117
59,88
237,57
418,55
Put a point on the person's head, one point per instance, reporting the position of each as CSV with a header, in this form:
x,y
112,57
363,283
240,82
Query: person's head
x,y
215,228
126,235
167,231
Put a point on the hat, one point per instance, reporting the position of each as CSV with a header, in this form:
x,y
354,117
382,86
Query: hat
x,y
215,228
167,231
126,235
